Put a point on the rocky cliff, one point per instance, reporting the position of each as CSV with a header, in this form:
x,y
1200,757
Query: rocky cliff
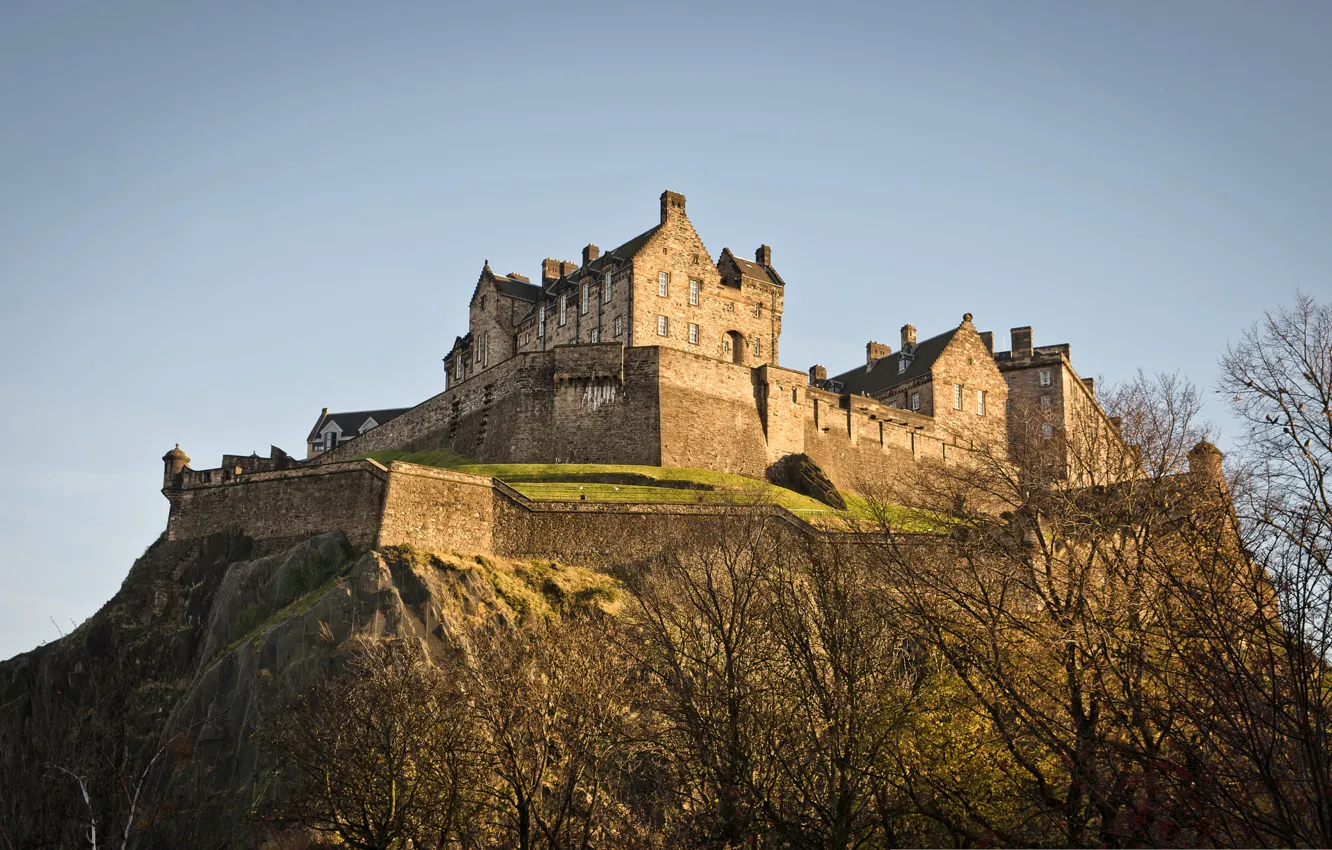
x,y
150,705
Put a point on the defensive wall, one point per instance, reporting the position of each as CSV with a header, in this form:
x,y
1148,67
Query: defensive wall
x,y
433,510
656,406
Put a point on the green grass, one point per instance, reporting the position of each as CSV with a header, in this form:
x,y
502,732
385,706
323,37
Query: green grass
x,y
575,481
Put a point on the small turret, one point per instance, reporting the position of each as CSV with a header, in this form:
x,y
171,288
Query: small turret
x,y
1205,463
173,463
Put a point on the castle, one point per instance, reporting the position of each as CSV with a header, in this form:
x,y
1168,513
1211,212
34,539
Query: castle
x,y
655,354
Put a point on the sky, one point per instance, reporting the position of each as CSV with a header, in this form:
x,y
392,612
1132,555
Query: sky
x,y
217,218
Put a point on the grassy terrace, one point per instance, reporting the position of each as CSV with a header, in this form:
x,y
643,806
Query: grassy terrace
x,y
661,485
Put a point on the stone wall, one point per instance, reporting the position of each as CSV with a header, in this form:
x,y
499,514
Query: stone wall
x,y
294,503
709,415
437,510
866,446
608,534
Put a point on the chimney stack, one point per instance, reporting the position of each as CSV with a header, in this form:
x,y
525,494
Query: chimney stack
x,y
987,337
1021,342
817,375
672,203
567,267
550,271
590,253
875,351
1090,384
908,339
763,256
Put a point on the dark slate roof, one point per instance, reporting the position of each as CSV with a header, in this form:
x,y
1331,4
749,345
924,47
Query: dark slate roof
x,y
350,423
514,288
884,375
625,251
756,272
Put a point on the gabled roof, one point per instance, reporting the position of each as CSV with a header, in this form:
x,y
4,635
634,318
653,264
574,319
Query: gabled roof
x,y
884,375
754,271
350,423
625,251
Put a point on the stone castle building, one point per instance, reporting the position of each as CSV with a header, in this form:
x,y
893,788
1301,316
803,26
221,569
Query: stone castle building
x,y
652,353
655,353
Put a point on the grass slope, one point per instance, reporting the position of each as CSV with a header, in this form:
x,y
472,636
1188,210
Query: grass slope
x,y
574,481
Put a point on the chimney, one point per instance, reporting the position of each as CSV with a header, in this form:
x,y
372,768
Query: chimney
x,y
550,271
875,351
908,339
1090,384
1021,342
763,256
987,337
567,267
672,203
590,253
817,375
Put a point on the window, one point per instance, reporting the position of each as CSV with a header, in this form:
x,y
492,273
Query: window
x,y
901,364
730,306
664,284
693,334
596,334
483,302
1045,377
980,402
758,311
606,288
583,309
758,347
1047,430
1045,401
957,396
458,367
564,308
619,326
694,287
915,401
795,396
662,327
541,321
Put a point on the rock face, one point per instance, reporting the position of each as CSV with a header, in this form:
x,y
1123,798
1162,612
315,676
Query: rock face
x,y
162,689
800,473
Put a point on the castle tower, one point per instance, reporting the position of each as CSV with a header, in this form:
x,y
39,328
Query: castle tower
x,y
173,463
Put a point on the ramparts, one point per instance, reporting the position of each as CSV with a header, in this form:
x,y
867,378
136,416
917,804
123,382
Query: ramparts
x,y
431,509
605,403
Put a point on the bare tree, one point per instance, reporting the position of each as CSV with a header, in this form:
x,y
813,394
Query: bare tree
x,y
697,626
1278,378
550,706
377,757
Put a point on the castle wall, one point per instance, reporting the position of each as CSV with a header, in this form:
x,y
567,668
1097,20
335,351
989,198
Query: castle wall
x,y
709,415
606,406
867,446
294,503
607,534
437,510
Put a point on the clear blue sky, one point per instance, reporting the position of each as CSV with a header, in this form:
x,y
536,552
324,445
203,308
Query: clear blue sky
x,y
217,218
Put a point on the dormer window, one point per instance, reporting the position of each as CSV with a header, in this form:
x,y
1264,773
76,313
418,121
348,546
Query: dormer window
x,y
586,288
564,308
902,364
541,321
606,288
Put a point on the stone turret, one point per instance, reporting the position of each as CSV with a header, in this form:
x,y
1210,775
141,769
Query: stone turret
x,y
173,463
